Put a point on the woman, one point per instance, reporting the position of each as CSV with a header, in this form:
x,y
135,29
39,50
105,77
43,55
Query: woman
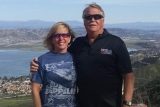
x,y
54,83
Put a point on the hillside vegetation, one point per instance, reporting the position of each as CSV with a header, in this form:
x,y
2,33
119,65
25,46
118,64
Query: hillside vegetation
x,y
25,101
148,85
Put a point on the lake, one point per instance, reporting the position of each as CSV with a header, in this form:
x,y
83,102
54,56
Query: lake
x,y
16,62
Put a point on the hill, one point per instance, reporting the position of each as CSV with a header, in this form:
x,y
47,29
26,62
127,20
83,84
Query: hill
x,y
29,37
74,24
33,24
137,25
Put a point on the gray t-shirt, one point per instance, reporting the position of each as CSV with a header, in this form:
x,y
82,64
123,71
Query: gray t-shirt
x,y
58,78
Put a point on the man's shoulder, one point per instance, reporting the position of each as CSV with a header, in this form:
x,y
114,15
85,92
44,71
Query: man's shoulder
x,y
78,42
115,38
109,35
45,55
80,38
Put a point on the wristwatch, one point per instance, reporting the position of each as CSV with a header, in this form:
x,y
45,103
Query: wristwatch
x,y
127,103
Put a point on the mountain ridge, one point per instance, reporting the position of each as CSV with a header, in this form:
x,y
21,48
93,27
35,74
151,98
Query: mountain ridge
x,y
47,24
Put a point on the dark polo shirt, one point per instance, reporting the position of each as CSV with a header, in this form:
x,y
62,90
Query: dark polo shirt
x,y
100,66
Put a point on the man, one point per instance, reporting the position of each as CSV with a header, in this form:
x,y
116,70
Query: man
x,y
102,63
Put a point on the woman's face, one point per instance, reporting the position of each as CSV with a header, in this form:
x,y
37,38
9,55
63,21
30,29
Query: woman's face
x,y
61,39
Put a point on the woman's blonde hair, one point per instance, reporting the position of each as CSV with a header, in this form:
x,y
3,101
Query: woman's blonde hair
x,y
48,39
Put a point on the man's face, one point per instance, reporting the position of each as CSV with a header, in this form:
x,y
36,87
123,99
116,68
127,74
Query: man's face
x,y
93,20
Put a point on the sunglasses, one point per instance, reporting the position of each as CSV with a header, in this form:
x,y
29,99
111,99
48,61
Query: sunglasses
x,y
95,16
58,35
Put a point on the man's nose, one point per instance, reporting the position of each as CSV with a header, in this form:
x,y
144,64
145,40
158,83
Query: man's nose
x,y
92,19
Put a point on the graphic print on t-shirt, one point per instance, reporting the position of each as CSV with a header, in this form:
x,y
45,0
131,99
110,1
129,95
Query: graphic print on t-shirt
x,y
61,78
61,69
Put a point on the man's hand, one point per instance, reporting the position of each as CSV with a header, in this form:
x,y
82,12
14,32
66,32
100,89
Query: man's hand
x,y
33,65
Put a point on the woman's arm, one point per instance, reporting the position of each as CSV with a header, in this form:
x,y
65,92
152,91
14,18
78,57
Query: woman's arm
x,y
36,87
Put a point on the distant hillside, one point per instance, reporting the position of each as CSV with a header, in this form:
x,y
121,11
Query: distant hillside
x,y
28,37
137,25
75,24
25,24
33,24
30,33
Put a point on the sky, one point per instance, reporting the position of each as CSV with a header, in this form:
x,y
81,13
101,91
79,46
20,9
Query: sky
x,y
117,11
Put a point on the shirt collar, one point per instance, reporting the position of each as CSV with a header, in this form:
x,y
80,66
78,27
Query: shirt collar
x,y
100,36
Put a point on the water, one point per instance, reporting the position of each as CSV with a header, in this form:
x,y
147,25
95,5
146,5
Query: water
x,y
16,62
131,49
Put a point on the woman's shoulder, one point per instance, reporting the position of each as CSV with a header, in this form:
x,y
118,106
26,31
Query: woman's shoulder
x,y
45,55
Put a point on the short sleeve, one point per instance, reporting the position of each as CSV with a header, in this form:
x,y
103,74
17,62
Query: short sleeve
x,y
36,77
124,62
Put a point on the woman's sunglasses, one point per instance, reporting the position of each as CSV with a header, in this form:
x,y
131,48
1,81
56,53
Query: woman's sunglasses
x,y
58,35
95,16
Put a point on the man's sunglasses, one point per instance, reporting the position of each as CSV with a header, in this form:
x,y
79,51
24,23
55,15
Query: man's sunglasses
x,y
58,35
95,16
